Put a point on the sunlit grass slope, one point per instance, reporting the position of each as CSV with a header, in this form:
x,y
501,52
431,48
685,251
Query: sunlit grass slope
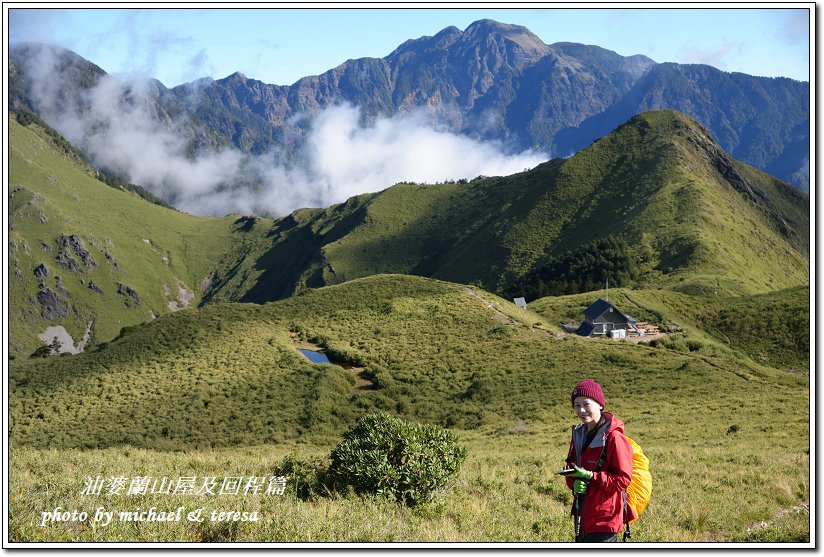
x,y
222,390
675,210
770,329
684,215
437,352
164,256
709,485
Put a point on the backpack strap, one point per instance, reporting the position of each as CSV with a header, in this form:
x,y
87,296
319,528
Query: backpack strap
x,y
603,458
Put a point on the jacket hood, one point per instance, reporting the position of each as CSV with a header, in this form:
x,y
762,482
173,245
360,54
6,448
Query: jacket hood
x,y
616,424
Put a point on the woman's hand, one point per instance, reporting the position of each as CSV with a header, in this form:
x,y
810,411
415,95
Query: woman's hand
x,y
580,486
581,473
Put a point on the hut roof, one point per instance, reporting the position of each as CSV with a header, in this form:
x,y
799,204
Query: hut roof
x,y
585,329
600,306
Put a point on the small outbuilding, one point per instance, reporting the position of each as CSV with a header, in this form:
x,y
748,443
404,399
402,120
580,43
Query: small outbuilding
x,y
520,302
602,317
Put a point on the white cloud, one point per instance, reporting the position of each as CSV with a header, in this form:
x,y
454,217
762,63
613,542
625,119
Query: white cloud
x,y
340,157
716,56
802,175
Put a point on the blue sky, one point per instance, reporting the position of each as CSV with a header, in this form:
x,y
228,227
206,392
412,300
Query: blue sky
x,y
279,46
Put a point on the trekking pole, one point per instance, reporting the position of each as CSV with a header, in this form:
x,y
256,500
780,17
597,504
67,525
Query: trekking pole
x,y
578,534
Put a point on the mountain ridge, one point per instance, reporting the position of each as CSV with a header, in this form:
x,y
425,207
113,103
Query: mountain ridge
x,y
656,204
498,82
676,204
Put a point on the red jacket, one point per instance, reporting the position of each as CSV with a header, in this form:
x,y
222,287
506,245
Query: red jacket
x,y
603,502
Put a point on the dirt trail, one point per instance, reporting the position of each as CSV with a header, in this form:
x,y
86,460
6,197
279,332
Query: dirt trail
x,y
505,319
500,316
362,383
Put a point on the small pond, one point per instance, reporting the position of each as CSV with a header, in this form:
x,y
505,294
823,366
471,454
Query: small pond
x,y
315,357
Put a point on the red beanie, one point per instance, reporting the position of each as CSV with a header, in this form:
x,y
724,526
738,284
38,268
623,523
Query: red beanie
x,y
589,389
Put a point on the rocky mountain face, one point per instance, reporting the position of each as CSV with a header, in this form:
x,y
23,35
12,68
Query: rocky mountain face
x,y
492,81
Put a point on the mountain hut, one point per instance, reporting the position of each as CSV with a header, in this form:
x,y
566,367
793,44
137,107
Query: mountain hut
x,y
602,317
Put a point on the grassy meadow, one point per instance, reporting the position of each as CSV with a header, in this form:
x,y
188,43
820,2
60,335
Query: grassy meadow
x,y
708,486
770,330
194,381
222,391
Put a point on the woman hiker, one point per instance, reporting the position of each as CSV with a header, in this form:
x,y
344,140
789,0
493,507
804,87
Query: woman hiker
x,y
601,458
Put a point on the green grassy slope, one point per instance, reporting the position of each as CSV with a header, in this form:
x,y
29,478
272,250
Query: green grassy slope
x,y
773,329
654,204
164,256
436,352
710,485
222,390
446,231
682,214
770,329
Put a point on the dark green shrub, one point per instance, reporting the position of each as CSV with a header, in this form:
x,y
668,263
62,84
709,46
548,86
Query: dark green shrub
x,y
47,350
42,352
694,345
675,343
299,330
500,332
478,390
384,455
380,376
24,118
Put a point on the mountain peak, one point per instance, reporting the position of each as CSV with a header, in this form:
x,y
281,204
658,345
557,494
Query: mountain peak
x,y
492,26
523,37
451,30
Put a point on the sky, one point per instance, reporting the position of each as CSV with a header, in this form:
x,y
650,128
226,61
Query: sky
x,y
279,46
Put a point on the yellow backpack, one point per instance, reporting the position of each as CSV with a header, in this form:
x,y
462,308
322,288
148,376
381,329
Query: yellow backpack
x,y
639,489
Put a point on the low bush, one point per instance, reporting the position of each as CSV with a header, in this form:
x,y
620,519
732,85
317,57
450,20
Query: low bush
x,y
386,456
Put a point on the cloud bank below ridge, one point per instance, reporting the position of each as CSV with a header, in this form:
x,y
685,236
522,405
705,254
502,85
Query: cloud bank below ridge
x,y
120,129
